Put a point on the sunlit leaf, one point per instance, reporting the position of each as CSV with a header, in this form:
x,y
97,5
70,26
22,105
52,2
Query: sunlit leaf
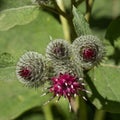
x,y
17,16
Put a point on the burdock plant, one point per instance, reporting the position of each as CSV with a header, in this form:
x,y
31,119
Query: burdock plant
x,y
77,67
66,61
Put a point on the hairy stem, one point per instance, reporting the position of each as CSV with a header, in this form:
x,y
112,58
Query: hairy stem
x,y
64,21
89,4
82,113
58,8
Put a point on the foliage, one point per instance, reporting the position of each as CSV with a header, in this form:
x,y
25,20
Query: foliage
x,y
25,26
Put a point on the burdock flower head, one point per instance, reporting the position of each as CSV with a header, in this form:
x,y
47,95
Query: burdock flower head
x,y
66,85
31,69
59,53
58,50
64,77
88,51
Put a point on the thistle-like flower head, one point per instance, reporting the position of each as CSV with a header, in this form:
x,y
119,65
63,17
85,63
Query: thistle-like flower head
x,y
31,69
66,85
58,50
88,51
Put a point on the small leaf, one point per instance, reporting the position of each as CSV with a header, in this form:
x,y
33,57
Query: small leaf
x,y
80,23
17,16
113,31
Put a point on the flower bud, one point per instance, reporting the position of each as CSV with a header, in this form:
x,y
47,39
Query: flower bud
x,y
31,69
87,51
58,50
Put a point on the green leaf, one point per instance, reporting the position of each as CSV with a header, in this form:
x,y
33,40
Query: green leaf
x,y
105,88
113,31
80,23
17,16
15,99
7,4
33,36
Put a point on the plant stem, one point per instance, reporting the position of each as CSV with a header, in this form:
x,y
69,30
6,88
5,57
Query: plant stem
x,y
78,3
82,109
89,4
64,21
74,105
73,2
115,8
79,108
47,112
58,9
99,115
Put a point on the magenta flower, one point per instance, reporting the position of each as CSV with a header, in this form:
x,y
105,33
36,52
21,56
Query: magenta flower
x,y
89,54
66,85
25,72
